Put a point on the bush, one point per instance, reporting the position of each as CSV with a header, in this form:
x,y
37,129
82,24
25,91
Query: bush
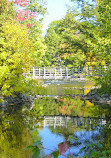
x,y
105,82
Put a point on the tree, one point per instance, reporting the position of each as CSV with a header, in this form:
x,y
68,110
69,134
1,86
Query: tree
x,y
39,45
73,50
53,40
16,52
31,15
95,26
22,45
65,43
28,11
15,57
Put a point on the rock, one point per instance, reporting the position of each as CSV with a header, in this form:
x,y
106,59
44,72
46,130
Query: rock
x,y
93,96
109,102
105,95
4,103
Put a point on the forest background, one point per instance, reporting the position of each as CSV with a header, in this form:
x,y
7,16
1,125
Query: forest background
x,y
82,37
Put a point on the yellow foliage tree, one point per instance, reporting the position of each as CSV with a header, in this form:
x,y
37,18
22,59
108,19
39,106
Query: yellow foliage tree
x,y
15,57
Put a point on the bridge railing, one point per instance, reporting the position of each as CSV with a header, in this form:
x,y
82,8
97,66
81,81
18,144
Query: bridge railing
x,y
64,72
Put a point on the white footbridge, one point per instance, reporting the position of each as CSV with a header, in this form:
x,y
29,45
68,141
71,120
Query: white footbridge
x,y
62,72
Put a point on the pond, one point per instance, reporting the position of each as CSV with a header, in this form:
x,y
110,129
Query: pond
x,y
56,125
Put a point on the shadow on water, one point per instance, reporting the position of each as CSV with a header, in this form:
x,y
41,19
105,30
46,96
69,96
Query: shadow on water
x,y
56,126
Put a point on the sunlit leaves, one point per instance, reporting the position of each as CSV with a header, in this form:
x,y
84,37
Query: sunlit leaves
x,y
15,56
29,11
20,48
6,11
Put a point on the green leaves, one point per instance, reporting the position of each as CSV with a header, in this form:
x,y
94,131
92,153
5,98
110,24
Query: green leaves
x,y
36,147
95,29
21,48
36,152
72,137
14,57
105,82
55,154
94,150
65,44
29,147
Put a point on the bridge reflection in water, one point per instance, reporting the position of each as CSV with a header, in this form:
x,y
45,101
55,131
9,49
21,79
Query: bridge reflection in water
x,y
65,121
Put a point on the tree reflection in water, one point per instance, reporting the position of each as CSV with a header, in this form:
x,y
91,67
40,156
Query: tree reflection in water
x,y
21,127
15,126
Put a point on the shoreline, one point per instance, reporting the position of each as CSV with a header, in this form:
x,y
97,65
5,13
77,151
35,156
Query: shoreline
x,y
23,99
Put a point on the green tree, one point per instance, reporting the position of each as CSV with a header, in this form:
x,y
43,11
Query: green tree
x,y
20,49
53,40
39,45
95,26
65,44
35,31
95,17
73,50
15,57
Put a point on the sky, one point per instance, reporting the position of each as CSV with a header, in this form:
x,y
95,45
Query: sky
x,y
56,10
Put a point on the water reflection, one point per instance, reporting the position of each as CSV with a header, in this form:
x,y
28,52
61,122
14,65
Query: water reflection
x,y
75,122
70,107
75,135
74,144
66,87
64,123
15,130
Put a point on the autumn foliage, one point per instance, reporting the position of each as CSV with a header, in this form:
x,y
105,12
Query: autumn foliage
x,y
22,3
24,15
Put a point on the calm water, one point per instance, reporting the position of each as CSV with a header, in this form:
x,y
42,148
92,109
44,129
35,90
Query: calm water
x,y
72,126
66,87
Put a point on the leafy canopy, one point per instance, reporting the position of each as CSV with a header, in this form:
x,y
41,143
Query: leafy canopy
x,y
19,51
64,42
